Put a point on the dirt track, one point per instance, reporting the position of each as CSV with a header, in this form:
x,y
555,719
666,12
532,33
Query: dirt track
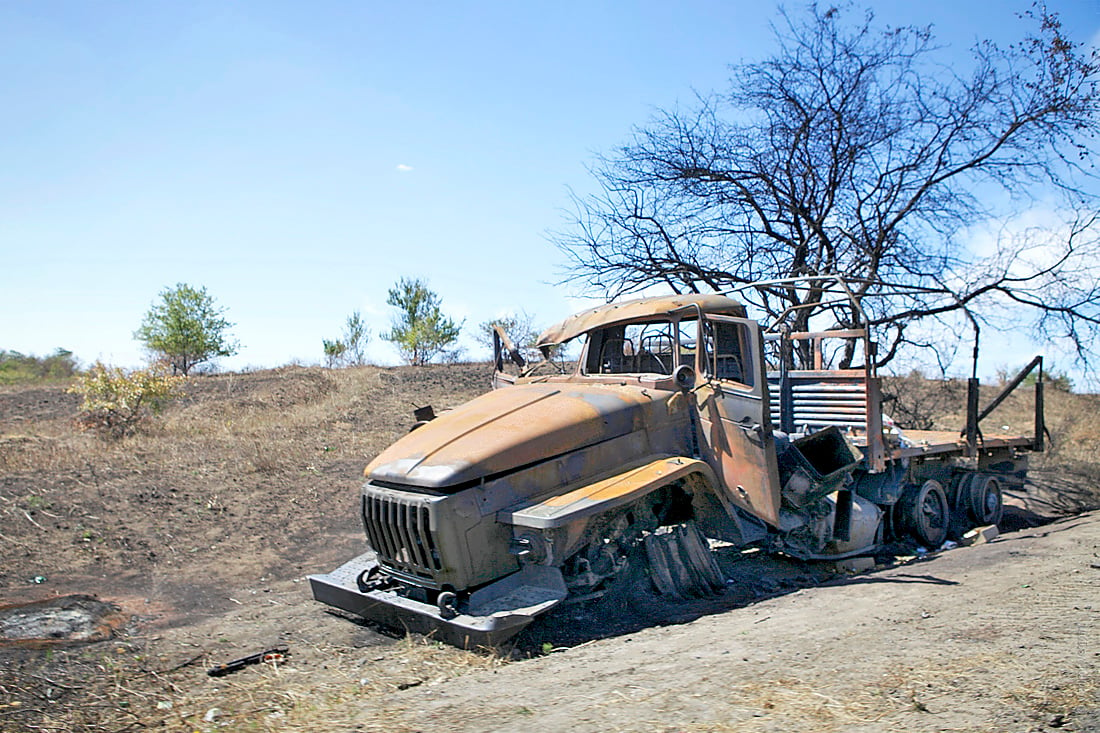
x,y
996,637
1002,636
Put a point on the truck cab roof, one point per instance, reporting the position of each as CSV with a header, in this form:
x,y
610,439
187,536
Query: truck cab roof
x,y
637,309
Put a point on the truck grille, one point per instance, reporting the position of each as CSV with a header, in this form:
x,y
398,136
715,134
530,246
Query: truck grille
x,y
400,532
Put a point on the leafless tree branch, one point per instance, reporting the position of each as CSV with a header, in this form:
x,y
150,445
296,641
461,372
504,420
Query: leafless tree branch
x,y
855,150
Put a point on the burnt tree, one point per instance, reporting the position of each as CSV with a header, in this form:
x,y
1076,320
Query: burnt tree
x,y
858,151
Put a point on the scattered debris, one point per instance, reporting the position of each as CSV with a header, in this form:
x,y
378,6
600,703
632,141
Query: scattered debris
x,y
855,565
981,535
274,655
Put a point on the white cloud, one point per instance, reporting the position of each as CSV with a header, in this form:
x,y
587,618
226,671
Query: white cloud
x,y
1032,239
404,168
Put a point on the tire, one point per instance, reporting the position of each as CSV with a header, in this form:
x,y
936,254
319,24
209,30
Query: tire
x,y
984,500
924,513
680,563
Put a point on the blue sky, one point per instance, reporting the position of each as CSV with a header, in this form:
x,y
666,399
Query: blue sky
x,y
297,159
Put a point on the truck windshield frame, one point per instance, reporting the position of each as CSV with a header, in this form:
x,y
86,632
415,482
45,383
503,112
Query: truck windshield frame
x,y
654,346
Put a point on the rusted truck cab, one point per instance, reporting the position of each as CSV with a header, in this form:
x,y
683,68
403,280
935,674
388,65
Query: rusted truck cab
x,y
494,512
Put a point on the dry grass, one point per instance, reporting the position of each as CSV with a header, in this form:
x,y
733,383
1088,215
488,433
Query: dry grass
x,y
287,698
248,480
121,689
253,478
291,442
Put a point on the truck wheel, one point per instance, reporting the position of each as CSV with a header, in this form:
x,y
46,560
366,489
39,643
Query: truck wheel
x,y
984,500
681,564
924,513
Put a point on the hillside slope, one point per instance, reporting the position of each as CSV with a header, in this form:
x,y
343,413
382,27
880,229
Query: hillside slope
x,y
202,529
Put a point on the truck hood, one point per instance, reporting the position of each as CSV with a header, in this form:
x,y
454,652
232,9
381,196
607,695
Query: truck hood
x,y
511,427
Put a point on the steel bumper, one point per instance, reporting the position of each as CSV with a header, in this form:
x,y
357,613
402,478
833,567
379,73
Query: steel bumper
x,y
493,614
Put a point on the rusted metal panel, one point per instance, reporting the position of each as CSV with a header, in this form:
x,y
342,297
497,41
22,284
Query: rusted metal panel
x,y
605,494
932,442
638,309
826,398
874,451
503,429
737,443
496,612
397,528
817,335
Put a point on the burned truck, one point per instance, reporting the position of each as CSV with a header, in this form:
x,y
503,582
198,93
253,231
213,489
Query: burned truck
x,y
681,421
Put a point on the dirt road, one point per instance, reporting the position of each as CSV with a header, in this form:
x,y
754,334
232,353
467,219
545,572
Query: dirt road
x,y
997,637
1003,636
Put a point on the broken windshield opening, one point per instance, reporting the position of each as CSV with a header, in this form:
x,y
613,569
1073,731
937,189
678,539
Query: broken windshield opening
x,y
654,347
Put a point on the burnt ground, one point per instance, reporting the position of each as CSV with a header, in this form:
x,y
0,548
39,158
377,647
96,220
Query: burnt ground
x,y
194,538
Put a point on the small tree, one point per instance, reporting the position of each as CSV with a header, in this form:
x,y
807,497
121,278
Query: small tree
x,y
420,331
351,350
356,338
116,403
186,328
334,352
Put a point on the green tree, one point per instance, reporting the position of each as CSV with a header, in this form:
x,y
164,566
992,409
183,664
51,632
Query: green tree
x,y
16,367
185,327
420,331
351,350
334,352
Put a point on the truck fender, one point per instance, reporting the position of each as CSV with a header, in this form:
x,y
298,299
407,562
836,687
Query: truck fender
x,y
605,494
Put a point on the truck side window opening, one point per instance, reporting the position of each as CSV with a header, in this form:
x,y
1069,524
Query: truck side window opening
x,y
688,336
725,352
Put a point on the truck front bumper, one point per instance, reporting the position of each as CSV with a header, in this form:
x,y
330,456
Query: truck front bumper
x,y
493,614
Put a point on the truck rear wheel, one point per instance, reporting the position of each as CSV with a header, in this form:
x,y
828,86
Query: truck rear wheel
x,y
984,500
924,513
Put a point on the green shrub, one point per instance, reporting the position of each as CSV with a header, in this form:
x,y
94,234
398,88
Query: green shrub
x,y
116,402
16,368
1053,377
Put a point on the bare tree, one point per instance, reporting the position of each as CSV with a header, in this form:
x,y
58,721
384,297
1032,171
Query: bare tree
x,y
859,151
520,328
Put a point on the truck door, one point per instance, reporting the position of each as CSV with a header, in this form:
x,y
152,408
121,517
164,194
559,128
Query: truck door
x,y
735,416
507,360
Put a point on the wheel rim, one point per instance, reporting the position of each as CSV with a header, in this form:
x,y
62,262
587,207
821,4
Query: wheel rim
x,y
931,514
986,501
